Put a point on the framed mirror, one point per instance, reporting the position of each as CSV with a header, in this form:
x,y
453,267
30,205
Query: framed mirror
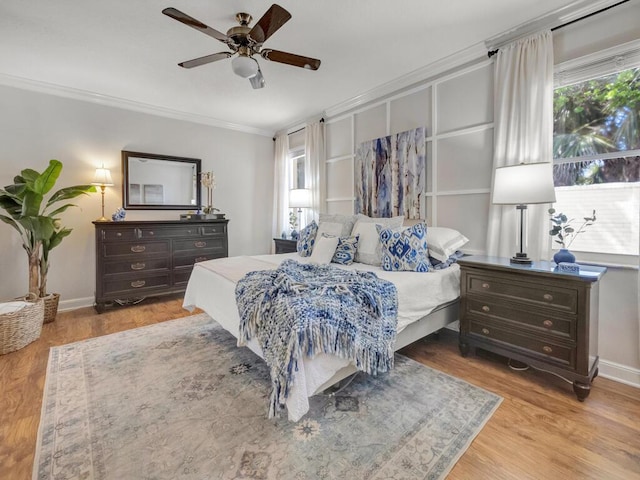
x,y
160,182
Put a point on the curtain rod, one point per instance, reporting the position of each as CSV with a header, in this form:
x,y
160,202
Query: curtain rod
x,y
299,130
491,53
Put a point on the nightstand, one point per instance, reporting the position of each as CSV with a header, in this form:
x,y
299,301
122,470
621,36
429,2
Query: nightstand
x,y
285,245
533,314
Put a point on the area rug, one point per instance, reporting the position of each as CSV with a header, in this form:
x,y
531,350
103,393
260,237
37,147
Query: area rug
x,y
179,399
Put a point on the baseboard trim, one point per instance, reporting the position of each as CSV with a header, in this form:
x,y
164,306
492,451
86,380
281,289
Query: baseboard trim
x,y
619,373
73,304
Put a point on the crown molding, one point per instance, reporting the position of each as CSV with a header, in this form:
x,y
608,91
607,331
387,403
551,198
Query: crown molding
x,y
106,100
555,18
429,71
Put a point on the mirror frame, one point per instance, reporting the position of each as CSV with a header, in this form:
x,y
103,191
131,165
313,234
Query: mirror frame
x,y
127,205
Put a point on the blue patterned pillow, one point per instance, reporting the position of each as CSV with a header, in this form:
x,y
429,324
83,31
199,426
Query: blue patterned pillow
x,y
405,250
346,250
307,239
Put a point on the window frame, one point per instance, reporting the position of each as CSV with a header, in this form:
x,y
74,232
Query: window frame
x,y
605,62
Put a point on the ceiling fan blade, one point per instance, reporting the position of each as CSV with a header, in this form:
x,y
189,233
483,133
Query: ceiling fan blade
x,y
198,25
257,81
196,62
270,22
290,59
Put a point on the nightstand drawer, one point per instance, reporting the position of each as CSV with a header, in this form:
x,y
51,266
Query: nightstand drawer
x,y
519,317
538,294
549,350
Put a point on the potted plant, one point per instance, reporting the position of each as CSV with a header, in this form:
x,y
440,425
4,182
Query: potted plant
x,y
38,223
565,234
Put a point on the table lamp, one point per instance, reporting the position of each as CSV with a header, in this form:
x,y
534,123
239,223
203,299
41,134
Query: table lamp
x,y
102,179
520,185
299,198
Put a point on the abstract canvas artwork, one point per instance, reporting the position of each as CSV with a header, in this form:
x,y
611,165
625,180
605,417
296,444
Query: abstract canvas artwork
x,y
390,175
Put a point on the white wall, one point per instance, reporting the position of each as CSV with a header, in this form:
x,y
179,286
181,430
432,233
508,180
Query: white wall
x,y
36,127
457,109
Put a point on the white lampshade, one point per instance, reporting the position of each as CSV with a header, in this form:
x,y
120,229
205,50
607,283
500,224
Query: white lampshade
x,y
102,177
300,198
244,66
524,184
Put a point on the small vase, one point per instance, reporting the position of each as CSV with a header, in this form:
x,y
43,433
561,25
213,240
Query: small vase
x,y
564,255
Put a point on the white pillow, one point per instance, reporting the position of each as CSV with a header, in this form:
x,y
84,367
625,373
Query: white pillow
x,y
369,246
444,242
324,249
345,221
333,229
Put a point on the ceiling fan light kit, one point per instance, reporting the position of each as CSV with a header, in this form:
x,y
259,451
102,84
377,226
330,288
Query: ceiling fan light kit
x,y
244,42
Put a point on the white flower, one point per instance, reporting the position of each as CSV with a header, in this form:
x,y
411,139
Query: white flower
x,y
208,179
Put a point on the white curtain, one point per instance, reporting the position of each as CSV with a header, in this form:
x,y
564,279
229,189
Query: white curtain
x,y
314,169
281,179
523,123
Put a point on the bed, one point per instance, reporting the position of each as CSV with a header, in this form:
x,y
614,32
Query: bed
x,y
427,302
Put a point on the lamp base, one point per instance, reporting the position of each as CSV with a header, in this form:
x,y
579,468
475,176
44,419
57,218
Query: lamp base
x,y
102,219
521,258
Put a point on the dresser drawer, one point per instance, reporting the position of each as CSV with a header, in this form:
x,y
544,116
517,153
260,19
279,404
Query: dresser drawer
x,y
120,234
536,346
170,232
135,285
519,316
213,244
181,276
217,229
186,260
136,248
137,265
538,294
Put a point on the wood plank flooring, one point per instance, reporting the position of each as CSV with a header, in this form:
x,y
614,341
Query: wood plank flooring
x,y
540,431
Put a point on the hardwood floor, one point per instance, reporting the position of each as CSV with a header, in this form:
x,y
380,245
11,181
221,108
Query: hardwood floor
x,y
540,431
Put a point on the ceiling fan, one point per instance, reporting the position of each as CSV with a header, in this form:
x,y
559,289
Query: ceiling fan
x,y
245,42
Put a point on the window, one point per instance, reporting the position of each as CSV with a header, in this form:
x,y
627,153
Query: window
x,y
596,146
297,158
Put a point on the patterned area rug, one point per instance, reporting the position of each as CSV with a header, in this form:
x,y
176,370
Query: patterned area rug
x,y
180,400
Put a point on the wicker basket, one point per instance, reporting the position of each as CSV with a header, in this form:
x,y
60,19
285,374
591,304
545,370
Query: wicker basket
x,y
19,329
50,307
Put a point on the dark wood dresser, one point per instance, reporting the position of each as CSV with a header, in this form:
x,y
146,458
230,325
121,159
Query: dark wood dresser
x,y
533,314
138,259
285,245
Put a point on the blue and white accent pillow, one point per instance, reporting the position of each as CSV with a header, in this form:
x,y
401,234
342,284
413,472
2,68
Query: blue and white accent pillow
x,y
346,250
405,250
307,239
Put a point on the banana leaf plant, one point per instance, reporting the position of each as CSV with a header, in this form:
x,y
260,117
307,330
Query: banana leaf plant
x,y
36,219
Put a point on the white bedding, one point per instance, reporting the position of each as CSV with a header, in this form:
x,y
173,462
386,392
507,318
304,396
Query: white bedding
x,y
212,288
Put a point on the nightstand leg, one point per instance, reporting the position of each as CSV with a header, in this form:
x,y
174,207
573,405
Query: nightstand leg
x,y
581,390
464,348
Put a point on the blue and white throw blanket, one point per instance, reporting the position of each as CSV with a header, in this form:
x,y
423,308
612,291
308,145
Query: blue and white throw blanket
x,y
301,310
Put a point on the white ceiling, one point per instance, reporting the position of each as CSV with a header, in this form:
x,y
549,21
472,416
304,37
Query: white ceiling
x,y
128,50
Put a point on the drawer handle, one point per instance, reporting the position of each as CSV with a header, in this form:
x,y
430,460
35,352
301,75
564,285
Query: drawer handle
x,y
118,234
200,259
547,323
485,308
151,233
547,349
138,266
138,248
485,285
485,331
200,244
548,297
138,283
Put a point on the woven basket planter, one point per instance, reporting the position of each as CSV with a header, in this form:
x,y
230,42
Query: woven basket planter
x,y
50,307
19,329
